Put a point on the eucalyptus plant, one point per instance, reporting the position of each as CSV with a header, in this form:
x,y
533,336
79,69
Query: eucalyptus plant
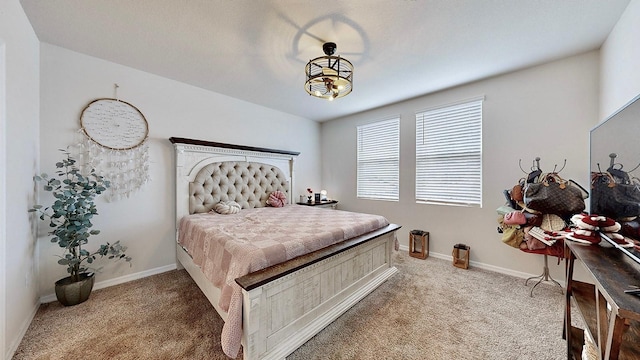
x,y
70,215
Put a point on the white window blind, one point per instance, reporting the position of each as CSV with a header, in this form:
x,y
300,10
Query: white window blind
x,y
449,154
379,160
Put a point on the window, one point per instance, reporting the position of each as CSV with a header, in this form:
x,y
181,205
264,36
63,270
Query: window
x,y
379,160
449,154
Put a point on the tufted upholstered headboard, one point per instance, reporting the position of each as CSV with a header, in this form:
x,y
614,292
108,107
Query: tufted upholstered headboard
x,y
247,183
209,172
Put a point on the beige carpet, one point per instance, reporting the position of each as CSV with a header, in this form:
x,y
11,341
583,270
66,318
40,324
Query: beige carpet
x,y
429,310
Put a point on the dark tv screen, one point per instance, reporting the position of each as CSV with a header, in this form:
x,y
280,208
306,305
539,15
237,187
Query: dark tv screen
x,y
615,150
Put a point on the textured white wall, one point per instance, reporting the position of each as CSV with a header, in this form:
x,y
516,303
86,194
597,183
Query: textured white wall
x,y
620,56
19,149
544,111
145,221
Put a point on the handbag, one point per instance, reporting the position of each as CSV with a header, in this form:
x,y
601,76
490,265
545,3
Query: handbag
x,y
512,235
517,192
548,237
614,199
515,218
510,202
532,242
504,209
552,222
631,228
533,219
554,195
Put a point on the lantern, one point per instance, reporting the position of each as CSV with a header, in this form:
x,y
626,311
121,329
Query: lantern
x,y
461,256
419,244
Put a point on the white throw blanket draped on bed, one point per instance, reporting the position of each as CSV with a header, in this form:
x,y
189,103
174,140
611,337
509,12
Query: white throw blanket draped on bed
x,y
227,247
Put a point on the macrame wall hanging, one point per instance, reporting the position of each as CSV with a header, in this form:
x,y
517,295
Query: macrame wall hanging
x,y
114,144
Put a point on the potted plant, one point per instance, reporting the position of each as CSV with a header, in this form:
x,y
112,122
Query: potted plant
x,y
69,218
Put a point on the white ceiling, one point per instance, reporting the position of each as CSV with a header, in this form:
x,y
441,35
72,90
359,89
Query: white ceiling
x,y
256,50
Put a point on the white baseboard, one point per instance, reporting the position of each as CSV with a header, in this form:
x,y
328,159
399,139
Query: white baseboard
x,y
23,330
117,281
501,270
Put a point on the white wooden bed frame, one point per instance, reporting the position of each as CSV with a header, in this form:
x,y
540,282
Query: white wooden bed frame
x,y
287,304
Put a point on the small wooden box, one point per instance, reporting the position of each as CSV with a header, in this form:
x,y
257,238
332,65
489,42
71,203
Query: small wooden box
x,y
461,256
419,244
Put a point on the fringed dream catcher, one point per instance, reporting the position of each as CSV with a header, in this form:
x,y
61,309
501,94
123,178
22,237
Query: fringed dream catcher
x,y
114,145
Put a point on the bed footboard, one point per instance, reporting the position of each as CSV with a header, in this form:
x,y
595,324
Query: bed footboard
x,y
280,313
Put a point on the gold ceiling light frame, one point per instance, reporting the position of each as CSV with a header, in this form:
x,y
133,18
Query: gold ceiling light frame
x,y
329,77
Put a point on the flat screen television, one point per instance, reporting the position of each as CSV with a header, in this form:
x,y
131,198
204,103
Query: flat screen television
x,y
615,144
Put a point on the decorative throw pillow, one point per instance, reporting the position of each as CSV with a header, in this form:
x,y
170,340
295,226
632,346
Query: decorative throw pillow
x,y
227,207
277,199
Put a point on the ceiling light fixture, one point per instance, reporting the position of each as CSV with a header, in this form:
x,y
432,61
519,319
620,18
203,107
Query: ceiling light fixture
x,y
329,77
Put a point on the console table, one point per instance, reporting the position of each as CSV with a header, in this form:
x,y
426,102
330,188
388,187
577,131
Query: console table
x,y
612,317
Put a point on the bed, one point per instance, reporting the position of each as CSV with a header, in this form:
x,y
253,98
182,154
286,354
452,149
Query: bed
x,y
272,301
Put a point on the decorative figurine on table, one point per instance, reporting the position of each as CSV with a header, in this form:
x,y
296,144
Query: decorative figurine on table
x,y
310,194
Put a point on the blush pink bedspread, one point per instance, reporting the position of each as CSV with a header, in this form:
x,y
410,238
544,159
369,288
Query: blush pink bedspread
x,y
226,247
